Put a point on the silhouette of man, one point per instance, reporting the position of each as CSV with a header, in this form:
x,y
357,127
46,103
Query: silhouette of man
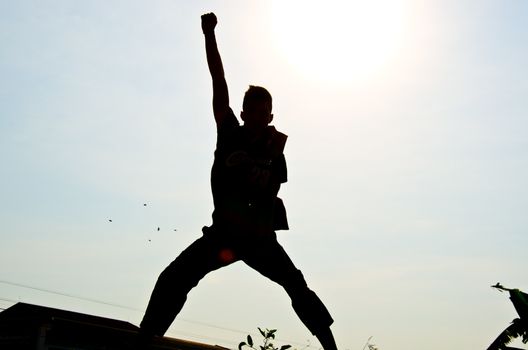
x,y
248,169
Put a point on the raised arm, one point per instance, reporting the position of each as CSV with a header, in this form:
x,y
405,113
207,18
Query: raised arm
x,y
214,61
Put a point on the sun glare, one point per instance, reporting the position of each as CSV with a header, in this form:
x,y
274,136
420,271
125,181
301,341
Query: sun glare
x,y
337,40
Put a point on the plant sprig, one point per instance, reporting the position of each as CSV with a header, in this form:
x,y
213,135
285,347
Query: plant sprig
x,y
269,336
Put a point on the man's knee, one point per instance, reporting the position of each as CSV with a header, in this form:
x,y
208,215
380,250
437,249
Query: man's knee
x,y
294,283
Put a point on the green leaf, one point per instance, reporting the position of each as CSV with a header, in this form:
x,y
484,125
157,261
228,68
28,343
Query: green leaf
x,y
249,340
284,347
241,345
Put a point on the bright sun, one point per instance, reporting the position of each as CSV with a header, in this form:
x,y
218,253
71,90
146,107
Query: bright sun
x,y
339,40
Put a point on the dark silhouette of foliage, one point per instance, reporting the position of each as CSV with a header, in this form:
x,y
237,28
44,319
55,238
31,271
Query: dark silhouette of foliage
x,y
269,336
519,326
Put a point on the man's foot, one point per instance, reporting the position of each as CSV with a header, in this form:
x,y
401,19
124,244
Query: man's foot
x,y
143,341
326,338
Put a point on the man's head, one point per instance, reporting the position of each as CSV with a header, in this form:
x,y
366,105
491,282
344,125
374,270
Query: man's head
x,y
256,108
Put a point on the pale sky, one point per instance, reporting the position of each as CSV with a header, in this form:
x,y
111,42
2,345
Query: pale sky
x,y
407,159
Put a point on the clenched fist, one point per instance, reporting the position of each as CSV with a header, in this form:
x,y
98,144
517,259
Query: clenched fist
x,y
209,22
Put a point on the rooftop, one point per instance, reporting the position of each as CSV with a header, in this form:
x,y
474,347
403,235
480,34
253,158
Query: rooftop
x,y
28,326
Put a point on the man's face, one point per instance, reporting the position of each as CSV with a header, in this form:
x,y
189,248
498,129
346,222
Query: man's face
x,y
257,116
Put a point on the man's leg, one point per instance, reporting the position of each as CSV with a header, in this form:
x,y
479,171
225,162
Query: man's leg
x,y
170,292
270,259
